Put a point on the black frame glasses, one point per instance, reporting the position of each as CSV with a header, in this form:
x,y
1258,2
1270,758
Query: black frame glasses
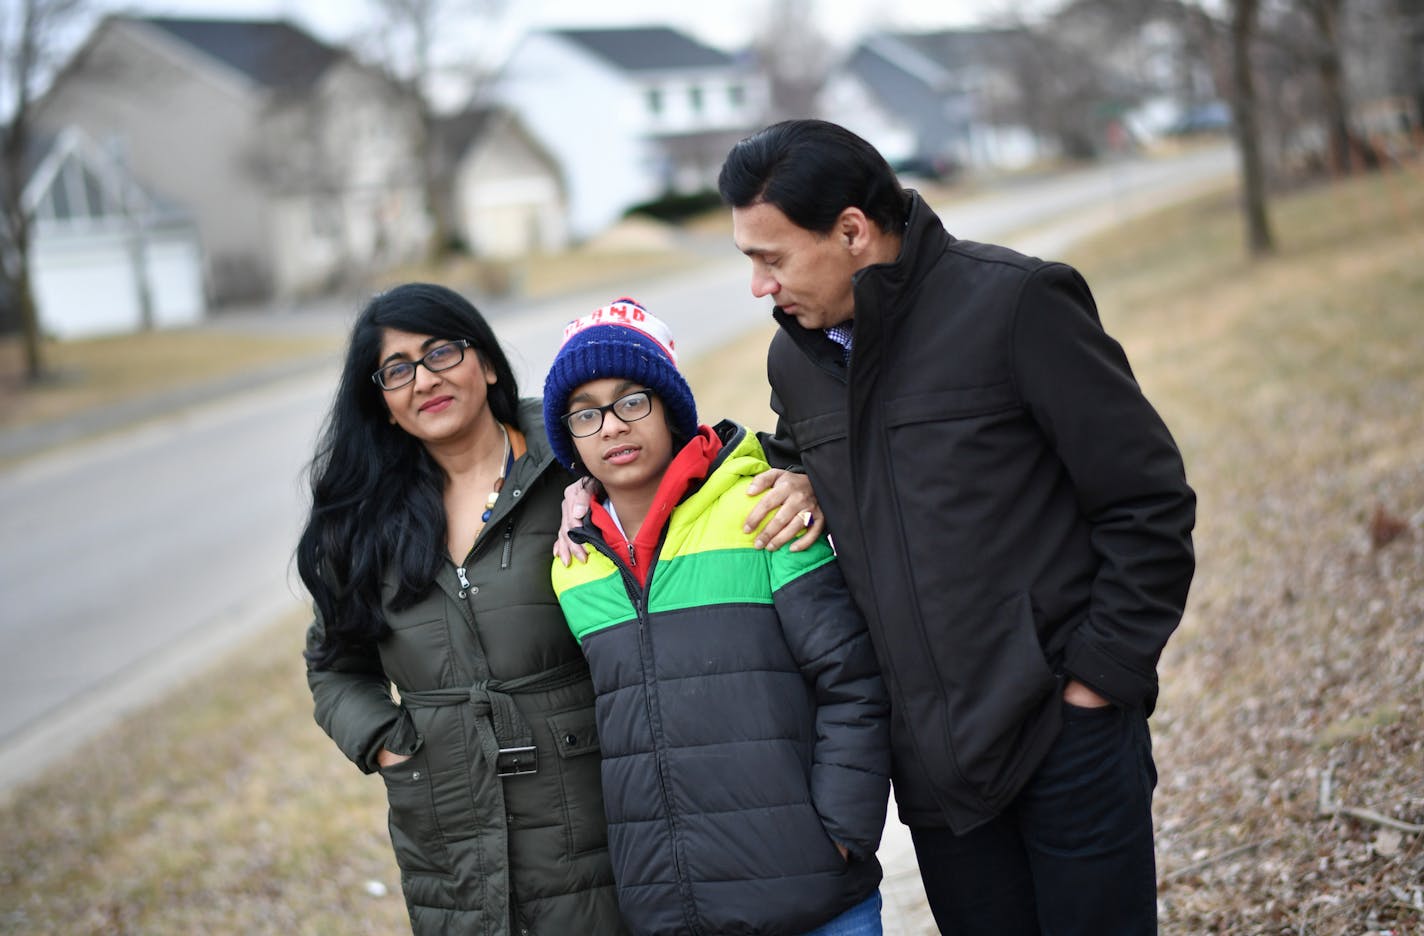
x,y
628,399
434,360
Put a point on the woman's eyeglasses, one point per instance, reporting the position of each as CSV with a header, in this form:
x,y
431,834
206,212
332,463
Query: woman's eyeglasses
x,y
439,358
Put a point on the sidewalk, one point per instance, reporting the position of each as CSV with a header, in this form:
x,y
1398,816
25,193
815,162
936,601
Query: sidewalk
x,y
906,912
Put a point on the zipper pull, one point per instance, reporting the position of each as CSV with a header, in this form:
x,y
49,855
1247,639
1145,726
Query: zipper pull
x,y
464,582
632,556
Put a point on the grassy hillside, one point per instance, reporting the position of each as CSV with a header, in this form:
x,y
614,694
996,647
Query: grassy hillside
x,y
1296,390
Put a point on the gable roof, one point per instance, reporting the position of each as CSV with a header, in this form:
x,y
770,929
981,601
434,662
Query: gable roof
x,y
646,48
924,78
916,89
73,178
956,49
273,53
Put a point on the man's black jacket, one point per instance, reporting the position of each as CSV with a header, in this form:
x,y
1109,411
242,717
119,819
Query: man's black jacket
x,y
1009,509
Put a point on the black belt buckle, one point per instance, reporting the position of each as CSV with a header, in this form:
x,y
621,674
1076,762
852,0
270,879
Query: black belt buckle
x,y
514,761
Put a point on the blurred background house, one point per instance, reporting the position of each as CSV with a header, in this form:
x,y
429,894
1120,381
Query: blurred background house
x,y
279,165
295,160
107,256
505,192
630,114
938,103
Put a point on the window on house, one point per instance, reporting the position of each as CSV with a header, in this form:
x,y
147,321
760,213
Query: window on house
x,y
655,102
737,95
694,97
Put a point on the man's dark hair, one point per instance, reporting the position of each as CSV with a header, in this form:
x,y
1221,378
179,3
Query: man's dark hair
x,y
813,170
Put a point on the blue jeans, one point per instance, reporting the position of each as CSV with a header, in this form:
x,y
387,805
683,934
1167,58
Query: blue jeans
x,y
1072,854
861,920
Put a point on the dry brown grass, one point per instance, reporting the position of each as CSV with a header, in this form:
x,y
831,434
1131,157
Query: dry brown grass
x,y
223,809
1294,387
84,374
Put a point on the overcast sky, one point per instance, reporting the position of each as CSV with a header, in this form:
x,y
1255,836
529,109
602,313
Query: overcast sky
x,y
725,23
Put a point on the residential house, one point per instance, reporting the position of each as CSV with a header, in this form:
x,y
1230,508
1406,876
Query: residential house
x,y
940,100
630,114
505,191
106,257
298,162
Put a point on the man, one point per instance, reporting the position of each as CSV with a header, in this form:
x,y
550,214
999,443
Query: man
x,y
1011,515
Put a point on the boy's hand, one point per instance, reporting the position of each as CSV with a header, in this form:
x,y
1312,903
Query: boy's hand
x,y
789,508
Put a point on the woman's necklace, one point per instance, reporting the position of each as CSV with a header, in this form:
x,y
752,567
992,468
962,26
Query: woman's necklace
x,y
504,466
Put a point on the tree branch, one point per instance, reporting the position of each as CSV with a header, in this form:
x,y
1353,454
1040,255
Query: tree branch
x,y
1326,806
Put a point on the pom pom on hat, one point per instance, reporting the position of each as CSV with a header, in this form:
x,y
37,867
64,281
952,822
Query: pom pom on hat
x,y
622,339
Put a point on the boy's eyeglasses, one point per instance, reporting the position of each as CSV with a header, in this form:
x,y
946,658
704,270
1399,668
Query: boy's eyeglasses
x,y
629,408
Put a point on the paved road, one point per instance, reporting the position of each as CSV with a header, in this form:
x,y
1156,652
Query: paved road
x,y
130,563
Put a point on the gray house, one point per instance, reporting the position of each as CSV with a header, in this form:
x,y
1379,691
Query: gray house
x,y
936,101
297,162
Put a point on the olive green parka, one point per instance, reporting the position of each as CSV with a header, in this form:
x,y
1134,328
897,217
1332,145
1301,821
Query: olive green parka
x,y
497,817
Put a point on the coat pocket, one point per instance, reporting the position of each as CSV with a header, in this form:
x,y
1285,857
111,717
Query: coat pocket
x,y
415,833
575,736
1001,681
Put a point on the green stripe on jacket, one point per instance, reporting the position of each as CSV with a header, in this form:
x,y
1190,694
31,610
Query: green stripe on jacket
x,y
705,558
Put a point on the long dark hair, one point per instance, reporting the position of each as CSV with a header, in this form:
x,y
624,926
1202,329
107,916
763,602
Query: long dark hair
x,y
377,495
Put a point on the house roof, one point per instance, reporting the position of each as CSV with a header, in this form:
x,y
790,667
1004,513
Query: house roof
x,y
913,87
955,49
647,48
273,53
456,134
96,180
922,76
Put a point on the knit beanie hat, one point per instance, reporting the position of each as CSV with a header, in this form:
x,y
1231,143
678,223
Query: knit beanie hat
x,y
621,339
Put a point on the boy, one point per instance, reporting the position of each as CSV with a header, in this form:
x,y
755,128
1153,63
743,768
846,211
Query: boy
x,y
742,720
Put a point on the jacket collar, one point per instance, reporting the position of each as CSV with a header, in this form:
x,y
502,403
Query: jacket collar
x,y
925,239
688,468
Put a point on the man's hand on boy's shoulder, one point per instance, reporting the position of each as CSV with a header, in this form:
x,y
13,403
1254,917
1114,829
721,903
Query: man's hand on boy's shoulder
x,y
789,508
575,507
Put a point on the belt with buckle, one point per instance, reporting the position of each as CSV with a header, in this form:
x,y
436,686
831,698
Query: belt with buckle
x,y
514,761
504,735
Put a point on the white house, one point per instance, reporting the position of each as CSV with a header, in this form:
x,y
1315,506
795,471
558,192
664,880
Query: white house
x,y
105,256
298,163
630,114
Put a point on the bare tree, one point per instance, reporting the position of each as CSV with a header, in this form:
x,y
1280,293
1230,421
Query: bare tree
x,y
1411,17
1246,126
795,56
30,35
1329,64
1228,48
410,36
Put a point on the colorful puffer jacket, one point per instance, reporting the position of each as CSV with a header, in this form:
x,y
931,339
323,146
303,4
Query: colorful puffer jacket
x,y
740,711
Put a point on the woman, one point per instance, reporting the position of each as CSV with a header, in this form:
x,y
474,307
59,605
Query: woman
x,y
744,724
434,501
